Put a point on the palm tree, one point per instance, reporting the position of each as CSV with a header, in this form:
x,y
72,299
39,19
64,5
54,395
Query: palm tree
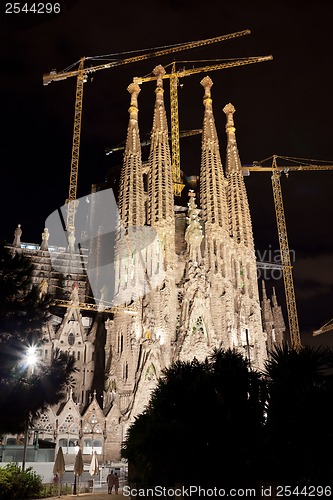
x,y
299,413
200,424
241,394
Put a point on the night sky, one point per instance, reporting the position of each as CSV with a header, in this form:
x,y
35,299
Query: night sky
x,y
283,107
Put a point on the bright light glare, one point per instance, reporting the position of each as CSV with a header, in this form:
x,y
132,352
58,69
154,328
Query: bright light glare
x,y
31,357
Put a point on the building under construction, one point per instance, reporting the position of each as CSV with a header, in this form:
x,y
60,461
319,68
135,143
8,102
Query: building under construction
x,y
191,289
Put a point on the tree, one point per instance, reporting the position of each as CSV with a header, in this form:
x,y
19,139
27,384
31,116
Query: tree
x,y
299,414
200,426
221,423
25,392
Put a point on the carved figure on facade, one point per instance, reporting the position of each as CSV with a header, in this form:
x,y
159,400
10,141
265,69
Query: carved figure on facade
x,y
43,288
193,233
17,236
45,240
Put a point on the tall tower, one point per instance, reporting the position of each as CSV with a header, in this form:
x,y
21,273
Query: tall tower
x,y
159,304
240,226
131,195
247,328
129,272
160,189
121,348
204,305
138,347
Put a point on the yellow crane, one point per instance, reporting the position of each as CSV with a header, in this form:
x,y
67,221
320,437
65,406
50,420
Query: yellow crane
x,y
174,77
96,307
325,328
182,133
81,74
276,171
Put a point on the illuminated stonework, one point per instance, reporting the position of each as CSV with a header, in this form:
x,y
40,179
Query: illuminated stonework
x,y
194,285
208,296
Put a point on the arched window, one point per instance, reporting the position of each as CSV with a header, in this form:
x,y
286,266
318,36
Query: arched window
x,y
98,446
11,441
199,327
87,447
151,372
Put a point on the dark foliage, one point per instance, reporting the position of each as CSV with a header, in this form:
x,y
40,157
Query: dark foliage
x,y
221,423
23,391
299,430
18,484
201,425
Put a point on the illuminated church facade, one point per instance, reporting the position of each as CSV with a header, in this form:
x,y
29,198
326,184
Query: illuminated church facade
x,y
193,287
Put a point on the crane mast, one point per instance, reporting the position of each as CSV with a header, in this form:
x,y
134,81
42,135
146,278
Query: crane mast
x,y
276,172
72,194
285,258
178,186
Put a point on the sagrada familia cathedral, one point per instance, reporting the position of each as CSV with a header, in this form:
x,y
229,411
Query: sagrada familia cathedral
x,y
193,288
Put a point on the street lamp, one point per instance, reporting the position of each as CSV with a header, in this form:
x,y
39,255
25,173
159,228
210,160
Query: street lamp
x,y
31,358
77,447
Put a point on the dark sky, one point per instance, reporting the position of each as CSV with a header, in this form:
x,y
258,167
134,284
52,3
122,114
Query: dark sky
x,y
284,107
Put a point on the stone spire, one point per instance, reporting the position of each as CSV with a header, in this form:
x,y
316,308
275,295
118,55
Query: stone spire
x,y
272,319
161,205
266,310
239,213
132,217
279,323
131,193
212,182
160,187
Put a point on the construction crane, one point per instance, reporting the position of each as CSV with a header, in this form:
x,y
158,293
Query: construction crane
x,y
82,75
182,133
276,172
174,77
94,307
325,328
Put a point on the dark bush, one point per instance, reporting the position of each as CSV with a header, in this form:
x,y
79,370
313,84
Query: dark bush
x,y
16,484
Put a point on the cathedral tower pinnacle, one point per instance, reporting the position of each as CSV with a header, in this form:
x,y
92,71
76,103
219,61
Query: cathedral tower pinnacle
x,y
212,181
239,212
131,207
131,193
160,188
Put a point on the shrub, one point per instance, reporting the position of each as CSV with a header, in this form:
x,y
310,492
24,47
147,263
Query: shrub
x,y
16,484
